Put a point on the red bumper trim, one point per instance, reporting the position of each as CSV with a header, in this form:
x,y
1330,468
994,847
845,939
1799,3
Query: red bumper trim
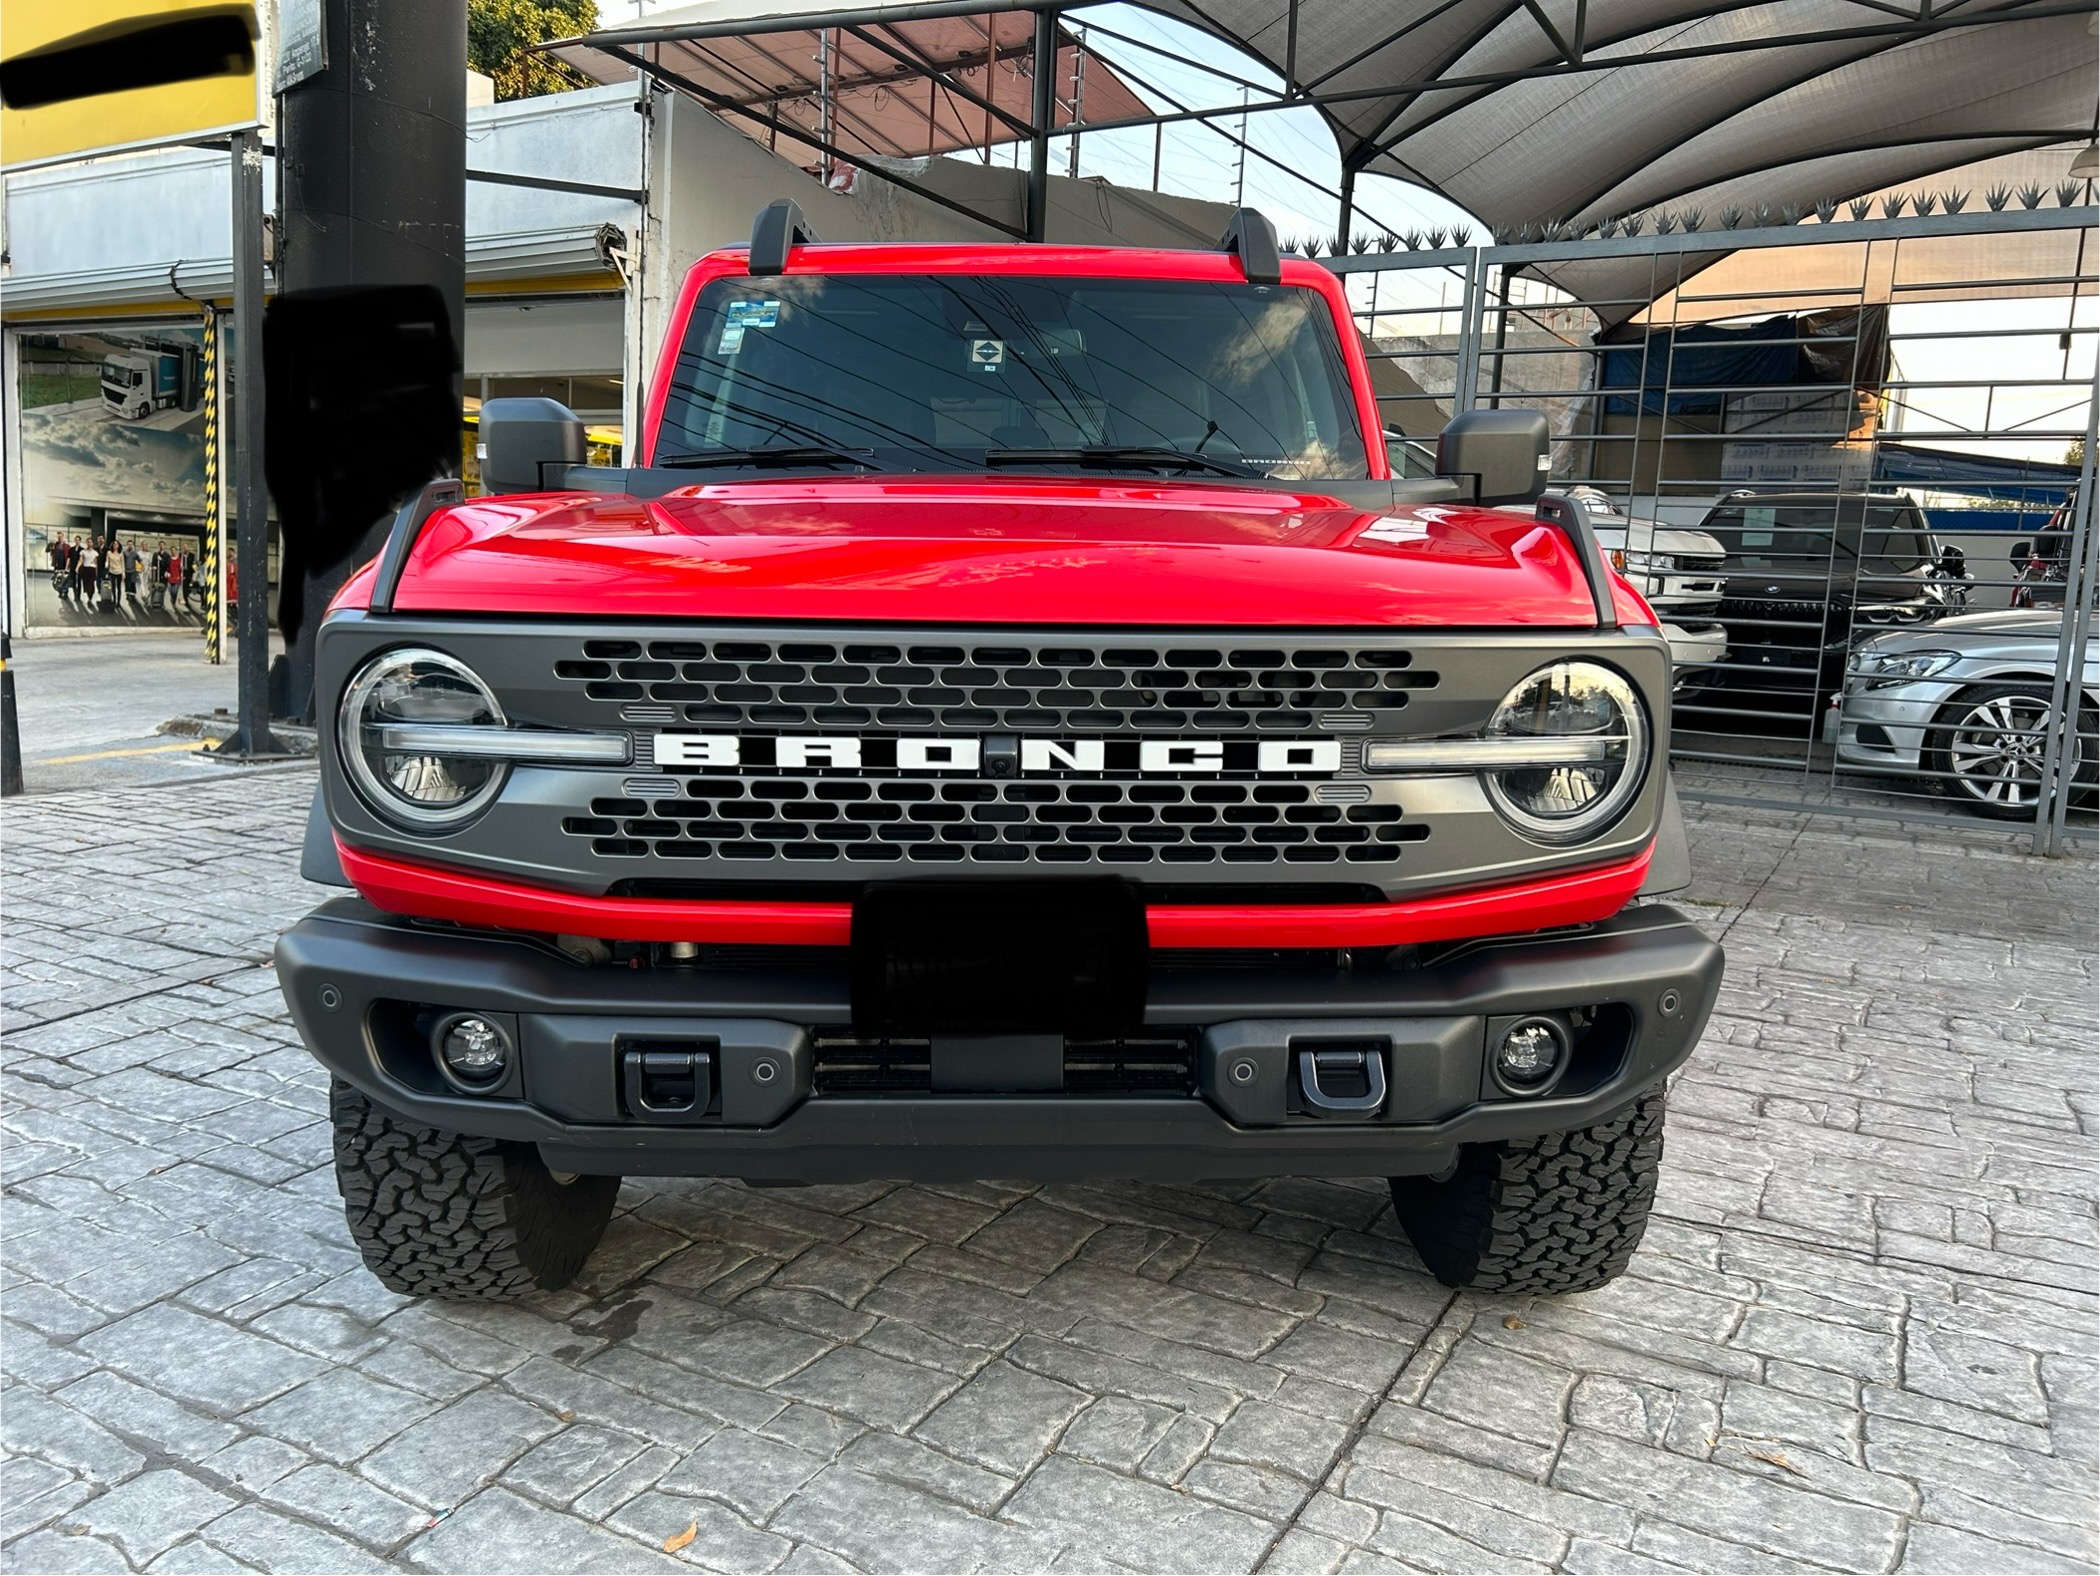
x,y
428,892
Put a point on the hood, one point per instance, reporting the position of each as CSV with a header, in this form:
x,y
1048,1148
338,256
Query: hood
x,y
992,551
2006,624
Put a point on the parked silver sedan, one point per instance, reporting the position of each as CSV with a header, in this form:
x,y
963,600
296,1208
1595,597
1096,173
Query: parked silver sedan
x,y
1964,701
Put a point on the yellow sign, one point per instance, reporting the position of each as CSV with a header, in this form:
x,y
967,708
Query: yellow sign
x,y
85,77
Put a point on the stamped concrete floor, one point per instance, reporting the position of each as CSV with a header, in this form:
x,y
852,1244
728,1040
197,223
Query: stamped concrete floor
x,y
1860,1335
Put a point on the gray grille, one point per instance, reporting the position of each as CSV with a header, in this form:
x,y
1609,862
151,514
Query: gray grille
x,y
1012,823
1166,685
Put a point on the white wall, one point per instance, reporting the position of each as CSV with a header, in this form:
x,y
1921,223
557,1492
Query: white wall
x,y
544,338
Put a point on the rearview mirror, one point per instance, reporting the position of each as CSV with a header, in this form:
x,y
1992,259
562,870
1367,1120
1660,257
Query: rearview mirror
x,y
520,437
1502,452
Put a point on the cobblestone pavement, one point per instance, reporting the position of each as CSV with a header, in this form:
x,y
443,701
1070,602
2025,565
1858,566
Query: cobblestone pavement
x,y
1860,1335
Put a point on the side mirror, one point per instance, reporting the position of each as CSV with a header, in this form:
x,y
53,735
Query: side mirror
x,y
520,437
2021,552
1504,452
1954,563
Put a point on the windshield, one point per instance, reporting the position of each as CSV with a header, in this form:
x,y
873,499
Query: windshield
x,y
1797,536
938,372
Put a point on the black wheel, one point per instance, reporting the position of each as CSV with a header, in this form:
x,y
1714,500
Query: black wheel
x,y
439,1214
1559,1213
1988,749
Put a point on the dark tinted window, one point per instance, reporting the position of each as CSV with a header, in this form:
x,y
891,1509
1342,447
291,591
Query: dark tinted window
x,y
1801,537
931,372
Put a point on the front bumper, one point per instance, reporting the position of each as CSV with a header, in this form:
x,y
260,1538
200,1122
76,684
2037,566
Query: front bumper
x,y
1885,728
356,981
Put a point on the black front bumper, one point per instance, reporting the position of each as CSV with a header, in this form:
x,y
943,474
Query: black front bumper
x,y
361,985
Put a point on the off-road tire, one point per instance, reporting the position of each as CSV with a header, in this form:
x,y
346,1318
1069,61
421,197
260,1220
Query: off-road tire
x,y
439,1214
1559,1213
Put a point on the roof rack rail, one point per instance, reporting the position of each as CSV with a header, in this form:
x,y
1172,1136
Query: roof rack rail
x,y
780,227
1252,238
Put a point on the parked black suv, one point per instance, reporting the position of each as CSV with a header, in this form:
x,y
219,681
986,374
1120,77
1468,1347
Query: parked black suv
x,y
1808,572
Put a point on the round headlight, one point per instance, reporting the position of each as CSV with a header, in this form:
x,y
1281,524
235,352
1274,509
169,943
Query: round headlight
x,y
414,786
1597,714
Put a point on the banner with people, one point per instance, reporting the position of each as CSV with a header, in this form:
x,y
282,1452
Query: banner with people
x,y
113,477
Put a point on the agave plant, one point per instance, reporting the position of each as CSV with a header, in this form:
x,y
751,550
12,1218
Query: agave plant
x,y
1461,236
1360,244
2031,195
1924,203
1892,207
1790,213
1436,240
1760,217
1665,223
1731,218
1860,207
1634,223
1997,197
1694,219
1607,228
2067,195
1826,209
1954,201
1388,242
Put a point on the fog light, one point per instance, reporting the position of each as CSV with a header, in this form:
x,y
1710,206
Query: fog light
x,y
1531,1054
473,1052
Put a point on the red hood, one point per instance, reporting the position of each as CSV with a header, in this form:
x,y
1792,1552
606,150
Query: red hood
x,y
978,551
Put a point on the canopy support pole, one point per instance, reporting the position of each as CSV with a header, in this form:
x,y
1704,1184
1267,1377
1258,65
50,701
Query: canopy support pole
x,y
1042,111
1345,224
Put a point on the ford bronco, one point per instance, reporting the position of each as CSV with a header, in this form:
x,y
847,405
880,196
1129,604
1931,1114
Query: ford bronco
x,y
1009,722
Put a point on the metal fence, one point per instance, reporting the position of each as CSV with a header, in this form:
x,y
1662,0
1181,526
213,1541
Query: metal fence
x,y
1841,458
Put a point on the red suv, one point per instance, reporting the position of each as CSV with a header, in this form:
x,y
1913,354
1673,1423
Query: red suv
x,y
1010,722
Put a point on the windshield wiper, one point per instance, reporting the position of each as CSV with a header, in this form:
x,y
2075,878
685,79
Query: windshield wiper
x,y
773,454
1107,456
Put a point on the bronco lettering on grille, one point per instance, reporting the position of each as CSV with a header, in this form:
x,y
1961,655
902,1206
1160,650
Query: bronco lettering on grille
x,y
1156,757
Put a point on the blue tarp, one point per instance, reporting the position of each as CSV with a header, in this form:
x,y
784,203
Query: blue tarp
x,y
1701,365
2038,482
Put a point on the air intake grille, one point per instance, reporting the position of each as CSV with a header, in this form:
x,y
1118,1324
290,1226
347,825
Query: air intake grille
x,y
971,688
1011,823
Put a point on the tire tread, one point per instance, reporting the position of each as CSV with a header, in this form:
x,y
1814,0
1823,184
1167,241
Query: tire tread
x,y
1563,1212
438,1214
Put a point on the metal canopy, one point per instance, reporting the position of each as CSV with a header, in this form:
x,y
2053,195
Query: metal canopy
x,y
1521,111
856,84
1524,111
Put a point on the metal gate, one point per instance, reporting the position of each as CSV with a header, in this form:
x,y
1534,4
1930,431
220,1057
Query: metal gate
x,y
1842,458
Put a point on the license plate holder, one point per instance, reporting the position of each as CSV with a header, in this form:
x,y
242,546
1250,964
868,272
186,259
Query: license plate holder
x,y
1052,956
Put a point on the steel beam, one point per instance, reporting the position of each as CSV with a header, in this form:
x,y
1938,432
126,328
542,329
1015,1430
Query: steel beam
x,y
252,740
1042,112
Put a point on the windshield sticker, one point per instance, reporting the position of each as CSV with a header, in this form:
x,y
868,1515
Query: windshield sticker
x,y
988,355
743,315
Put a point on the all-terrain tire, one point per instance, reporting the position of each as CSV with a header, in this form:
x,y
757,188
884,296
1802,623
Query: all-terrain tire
x,y
1558,1213
439,1214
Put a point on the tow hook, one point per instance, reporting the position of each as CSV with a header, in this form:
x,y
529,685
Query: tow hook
x,y
1342,1081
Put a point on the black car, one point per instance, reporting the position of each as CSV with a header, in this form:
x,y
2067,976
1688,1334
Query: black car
x,y
1808,573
